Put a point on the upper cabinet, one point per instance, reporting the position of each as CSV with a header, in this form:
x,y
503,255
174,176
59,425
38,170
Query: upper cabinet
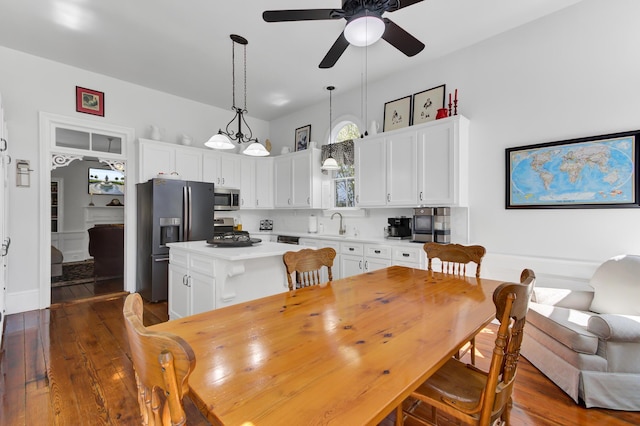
x,y
297,180
386,170
419,165
256,183
159,157
222,169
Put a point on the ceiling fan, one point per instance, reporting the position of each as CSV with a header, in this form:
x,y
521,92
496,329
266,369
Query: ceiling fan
x,y
365,25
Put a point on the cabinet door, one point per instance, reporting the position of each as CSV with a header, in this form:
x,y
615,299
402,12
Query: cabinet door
x,y
301,180
373,264
247,183
179,292
211,167
202,292
282,182
402,169
154,159
351,265
264,183
230,170
436,150
189,164
370,164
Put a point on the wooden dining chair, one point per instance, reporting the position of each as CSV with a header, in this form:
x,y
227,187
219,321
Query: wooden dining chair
x,y
307,264
463,391
454,258
162,363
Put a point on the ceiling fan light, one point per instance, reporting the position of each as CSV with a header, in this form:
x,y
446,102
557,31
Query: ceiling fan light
x,y
364,31
219,141
256,149
330,164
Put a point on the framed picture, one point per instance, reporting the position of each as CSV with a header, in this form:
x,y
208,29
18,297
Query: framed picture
x,y
397,114
303,136
426,104
598,171
89,101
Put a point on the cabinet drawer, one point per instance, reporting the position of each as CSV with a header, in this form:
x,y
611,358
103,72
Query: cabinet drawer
x,y
201,264
351,248
178,257
376,251
325,243
407,254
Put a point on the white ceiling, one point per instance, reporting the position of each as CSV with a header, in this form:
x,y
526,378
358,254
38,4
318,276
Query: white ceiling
x,y
182,47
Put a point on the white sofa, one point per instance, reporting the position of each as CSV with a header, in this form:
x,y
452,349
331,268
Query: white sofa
x,y
587,340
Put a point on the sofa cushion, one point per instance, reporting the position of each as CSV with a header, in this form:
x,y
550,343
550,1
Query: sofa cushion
x,y
617,286
567,326
621,328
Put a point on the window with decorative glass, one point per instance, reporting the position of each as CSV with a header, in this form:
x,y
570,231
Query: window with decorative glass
x,y
344,177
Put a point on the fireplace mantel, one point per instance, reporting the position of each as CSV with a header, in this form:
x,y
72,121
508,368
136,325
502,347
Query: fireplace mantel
x,y
95,215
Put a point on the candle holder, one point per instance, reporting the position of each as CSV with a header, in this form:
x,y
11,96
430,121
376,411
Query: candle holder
x,y
450,105
455,107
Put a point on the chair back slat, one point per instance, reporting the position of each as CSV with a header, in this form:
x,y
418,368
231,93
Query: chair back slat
x,y
162,364
307,264
454,257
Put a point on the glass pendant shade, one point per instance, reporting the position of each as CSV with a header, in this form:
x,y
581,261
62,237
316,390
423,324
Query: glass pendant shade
x,y
330,164
219,141
364,31
256,149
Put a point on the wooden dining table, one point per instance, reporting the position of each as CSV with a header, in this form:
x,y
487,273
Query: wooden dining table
x,y
344,353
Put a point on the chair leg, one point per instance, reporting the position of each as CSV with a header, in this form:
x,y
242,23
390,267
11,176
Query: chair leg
x,y
472,348
399,415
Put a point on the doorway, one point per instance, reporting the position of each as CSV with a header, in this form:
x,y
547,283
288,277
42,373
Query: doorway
x,y
63,142
86,262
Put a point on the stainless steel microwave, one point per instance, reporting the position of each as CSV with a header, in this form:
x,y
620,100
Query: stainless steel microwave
x,y
226,199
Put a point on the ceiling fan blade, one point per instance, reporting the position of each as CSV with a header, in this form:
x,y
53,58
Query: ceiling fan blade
x,y
335,52
400,39
300,15
403,4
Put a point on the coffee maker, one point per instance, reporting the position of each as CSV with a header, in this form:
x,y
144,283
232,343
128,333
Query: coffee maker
x,y
399,228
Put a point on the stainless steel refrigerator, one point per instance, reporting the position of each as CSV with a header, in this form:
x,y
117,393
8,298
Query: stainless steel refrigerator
x,y
168,211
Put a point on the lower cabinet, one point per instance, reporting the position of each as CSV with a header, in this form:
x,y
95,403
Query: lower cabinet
x,y
356,258
191,284
411,257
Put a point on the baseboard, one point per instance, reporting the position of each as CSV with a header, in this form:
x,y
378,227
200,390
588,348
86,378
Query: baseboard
x,y
22,301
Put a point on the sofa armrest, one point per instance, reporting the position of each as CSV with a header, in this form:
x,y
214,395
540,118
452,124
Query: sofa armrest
x,y
578,297
619,328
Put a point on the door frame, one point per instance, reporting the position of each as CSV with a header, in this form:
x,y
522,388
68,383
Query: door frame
x,y
50,152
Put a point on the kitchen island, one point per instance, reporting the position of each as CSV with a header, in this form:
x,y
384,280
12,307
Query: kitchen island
x,y
203,277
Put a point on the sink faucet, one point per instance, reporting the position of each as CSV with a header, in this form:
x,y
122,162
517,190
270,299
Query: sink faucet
x,y
341,231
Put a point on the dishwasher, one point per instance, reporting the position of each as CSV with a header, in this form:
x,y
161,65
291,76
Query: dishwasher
x,y
286,239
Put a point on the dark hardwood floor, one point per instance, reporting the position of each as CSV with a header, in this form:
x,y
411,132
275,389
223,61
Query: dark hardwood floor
x,y
70,365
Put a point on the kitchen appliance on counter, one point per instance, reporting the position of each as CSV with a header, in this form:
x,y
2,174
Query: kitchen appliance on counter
x,y
442,225
399,228
168,211
226,199
287,239
423,225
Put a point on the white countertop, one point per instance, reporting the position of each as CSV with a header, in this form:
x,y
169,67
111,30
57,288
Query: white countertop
x,y
263,249
345,238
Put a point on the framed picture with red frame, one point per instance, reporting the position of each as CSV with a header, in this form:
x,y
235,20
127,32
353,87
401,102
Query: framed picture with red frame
x,y
89,101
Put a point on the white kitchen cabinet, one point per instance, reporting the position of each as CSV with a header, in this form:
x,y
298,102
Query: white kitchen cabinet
x,y
386,170
191,284
247,183
411,257
426,164
443,162
315,243
156,157
357,258
264,183
221,169
297,180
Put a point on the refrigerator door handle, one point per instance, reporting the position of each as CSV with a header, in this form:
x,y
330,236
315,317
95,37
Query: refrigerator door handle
x,y
186,213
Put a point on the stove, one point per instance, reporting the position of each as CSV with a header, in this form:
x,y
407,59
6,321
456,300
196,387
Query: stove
x,y
232,239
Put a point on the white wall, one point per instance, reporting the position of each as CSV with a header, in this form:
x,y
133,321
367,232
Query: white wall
x,y
572,74
30,85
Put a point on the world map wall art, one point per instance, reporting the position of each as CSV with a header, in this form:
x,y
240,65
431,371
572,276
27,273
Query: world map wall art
x,y
598,171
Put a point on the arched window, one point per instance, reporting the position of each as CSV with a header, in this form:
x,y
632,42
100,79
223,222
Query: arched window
x,y
344,178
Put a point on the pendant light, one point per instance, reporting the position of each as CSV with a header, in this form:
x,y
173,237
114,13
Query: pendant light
x,y
222,140
330,163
